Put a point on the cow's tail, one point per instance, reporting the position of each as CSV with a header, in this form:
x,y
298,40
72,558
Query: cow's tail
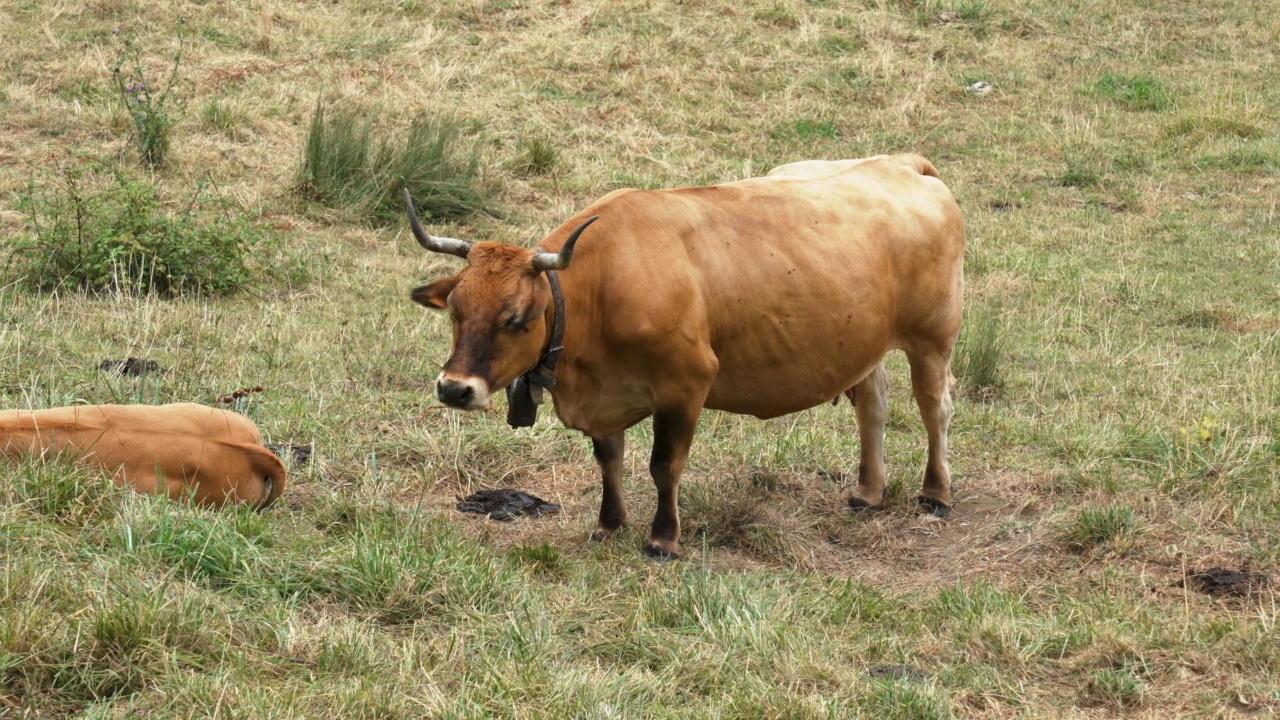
x,y
270,471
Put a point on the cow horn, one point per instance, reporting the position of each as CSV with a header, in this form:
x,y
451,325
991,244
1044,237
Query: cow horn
x,y
561,260
434,244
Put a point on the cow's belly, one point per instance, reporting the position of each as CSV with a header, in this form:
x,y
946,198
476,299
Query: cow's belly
x,y
790,377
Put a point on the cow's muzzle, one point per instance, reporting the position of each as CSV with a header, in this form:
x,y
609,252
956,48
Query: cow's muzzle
x,y
463,393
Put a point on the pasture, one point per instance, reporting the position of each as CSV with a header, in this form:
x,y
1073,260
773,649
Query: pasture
x,y
1116,430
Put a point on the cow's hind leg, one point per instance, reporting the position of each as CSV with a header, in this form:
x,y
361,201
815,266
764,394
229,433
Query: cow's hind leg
x,y
613,511
931,383
872,408
672,436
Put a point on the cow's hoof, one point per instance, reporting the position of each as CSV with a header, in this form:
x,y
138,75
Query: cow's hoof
x,y
931,506
857,504
662,552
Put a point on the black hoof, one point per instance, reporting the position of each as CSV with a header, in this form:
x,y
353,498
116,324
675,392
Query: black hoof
x,y
933,507
857,504
660,554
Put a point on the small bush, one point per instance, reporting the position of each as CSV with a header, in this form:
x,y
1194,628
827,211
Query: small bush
x,y
1137,92
978,355
94,228
149,106
347,164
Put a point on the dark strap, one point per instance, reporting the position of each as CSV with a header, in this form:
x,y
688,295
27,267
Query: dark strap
x,y
544,373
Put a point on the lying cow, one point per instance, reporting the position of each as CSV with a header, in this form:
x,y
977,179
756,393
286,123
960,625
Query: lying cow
x,y
764,297
182,450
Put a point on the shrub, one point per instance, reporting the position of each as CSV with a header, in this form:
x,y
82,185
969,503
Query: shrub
x,y
94,228
148,105
347,163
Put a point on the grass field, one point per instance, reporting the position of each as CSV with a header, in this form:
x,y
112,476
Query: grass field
x,y
1118,428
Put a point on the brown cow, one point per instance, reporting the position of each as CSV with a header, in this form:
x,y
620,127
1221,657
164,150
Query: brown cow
x,y
764,297
211,455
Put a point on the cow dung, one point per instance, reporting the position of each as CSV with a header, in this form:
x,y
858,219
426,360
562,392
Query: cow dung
x,y
1222,582
131,366
506,504
896,672
300,454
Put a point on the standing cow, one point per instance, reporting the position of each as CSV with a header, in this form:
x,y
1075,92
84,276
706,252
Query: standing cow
x,y
764,297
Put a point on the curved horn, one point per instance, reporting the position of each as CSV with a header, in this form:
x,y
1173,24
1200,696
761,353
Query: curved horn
x,y
434,244
560,261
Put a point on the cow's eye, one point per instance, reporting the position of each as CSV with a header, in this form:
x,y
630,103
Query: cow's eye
x,y
515,324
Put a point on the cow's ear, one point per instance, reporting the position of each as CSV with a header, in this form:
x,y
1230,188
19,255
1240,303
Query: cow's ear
x,y
435,295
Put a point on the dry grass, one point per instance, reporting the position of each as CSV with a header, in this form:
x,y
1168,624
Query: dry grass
x,y
1119,182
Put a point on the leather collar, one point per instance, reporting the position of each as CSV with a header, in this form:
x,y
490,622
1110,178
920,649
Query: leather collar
x,y
525,394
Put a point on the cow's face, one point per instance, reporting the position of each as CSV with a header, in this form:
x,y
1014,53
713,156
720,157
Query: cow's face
x,y
498,306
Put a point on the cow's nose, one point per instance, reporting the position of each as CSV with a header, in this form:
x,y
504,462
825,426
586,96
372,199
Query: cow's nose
x,y
454,393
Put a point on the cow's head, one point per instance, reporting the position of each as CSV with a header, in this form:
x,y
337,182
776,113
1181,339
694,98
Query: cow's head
x,y
498,305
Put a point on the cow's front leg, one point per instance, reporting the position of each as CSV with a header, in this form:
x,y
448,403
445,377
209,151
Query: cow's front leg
x,y
672,436
613,511
872,410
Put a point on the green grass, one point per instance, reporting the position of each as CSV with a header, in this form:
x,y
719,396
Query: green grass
x,y
1118,191
1136,92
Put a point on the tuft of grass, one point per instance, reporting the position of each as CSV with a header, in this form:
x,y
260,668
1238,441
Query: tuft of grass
x,y
538,156
1135,92
1079,176
979,352
225,117
1117,688
348,163
1097,526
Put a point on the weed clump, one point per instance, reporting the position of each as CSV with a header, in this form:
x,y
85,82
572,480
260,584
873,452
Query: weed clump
x,y
150,106
348,163
97,229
